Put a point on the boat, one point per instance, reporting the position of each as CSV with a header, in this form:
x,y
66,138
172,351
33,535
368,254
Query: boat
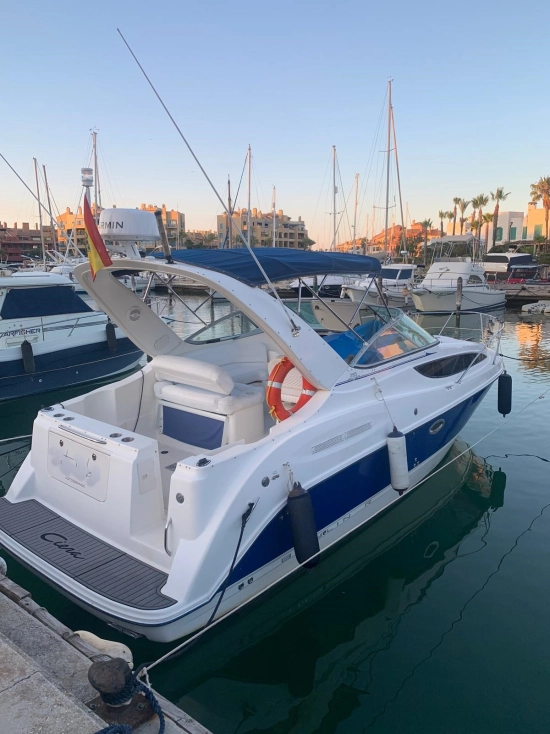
x,y
186,489
397,281
437,292
540,308
51,338
499,264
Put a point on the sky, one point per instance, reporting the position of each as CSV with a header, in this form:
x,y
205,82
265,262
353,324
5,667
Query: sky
x,y
291,79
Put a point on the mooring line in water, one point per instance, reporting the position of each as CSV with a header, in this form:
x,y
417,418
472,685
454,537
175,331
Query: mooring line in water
x,y
525,359
145,668
15,438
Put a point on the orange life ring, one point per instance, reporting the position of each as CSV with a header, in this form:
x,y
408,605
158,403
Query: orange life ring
x,y
274,387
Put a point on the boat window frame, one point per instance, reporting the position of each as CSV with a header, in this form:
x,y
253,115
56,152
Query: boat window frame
x,y
366,346
215,340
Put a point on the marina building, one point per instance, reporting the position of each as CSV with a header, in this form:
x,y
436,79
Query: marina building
x,y
16,243
288,232
174,223
71,225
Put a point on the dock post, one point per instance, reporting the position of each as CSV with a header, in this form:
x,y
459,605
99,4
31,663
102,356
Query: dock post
x,y
458,301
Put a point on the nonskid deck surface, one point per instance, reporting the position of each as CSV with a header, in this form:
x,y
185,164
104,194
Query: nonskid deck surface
x,y
90,561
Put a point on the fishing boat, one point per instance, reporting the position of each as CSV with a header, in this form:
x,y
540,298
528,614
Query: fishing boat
x,y
397,279
186,489
50,338
437,292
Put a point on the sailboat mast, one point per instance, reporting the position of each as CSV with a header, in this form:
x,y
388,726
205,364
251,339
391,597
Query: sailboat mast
x,y
94,148
388,168
52,223
248,206
333,198
403,227
274,243
355,212
230,213
39,212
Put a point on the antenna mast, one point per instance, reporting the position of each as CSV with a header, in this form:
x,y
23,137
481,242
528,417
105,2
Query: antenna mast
x,y
248,206
355,211
274,243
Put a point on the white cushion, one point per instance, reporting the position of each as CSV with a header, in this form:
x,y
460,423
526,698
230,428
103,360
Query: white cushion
x,y
192,372
244,360
242,396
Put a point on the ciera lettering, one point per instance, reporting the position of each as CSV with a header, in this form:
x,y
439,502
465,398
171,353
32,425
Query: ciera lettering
x,y
60,541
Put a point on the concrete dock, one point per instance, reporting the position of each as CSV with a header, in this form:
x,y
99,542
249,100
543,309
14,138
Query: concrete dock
x,y
44,686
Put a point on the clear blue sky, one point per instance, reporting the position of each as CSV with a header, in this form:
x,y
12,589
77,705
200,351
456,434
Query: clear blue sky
x,y
290,78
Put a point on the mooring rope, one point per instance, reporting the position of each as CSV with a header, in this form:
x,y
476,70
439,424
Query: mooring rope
x,y
132,687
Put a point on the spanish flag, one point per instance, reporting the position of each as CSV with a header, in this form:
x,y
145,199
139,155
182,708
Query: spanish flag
x,y
97,252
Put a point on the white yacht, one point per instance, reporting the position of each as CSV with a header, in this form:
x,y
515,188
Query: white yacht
x,y
237,453
438,290
397,281
50,338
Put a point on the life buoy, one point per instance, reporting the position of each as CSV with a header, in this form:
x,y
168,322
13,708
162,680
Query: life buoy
x,y
274,388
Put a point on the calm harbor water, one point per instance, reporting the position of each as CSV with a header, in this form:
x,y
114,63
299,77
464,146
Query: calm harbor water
x,y
430,619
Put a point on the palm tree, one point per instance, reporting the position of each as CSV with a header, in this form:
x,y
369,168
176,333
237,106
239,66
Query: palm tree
x,y
426,224
442,216
462,205
487,219
478,203
540,191
456,202
497,197
450,216
474,226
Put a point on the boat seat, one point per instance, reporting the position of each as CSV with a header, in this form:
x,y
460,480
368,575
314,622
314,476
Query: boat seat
x,y
202,406
244,360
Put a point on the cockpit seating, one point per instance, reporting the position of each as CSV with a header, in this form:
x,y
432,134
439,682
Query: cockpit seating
x,y
202,406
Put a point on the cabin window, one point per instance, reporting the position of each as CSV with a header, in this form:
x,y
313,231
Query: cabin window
x,y
474,279
450,365
406,273
53,300
231,326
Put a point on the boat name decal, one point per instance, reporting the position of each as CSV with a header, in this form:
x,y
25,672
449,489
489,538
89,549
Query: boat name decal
x,y
60,541
20,332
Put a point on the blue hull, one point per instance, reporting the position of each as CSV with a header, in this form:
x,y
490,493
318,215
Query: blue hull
x,y
342,492
66,368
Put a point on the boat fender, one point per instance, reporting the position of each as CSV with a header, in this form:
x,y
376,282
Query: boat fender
x,y
504,394
399,469
111,337
28,358
498,485
109,647
303,526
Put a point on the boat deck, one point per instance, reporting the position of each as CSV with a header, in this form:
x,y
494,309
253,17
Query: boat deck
x,y
90,561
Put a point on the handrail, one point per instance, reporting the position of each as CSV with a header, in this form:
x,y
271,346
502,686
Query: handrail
x,y
166,528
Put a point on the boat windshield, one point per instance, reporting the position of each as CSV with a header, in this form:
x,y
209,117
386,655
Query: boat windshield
x,y
231,326
388,333
395,274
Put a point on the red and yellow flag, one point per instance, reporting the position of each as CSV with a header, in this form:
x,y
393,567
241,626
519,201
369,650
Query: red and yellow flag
x,y
97,252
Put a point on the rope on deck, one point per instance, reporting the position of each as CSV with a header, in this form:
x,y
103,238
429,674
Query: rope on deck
x,y
126,694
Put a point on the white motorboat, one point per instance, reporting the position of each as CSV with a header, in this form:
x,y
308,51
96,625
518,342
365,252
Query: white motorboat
x,y
50,338
176,494
437,293
397,281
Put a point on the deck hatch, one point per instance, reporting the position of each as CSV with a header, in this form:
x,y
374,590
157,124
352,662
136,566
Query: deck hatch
x,y
78,554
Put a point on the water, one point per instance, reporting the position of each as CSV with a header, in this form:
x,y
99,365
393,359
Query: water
x,y
431,619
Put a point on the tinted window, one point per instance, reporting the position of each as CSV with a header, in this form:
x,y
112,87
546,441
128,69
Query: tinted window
x,y
449,365
231,326
496,259
52,300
